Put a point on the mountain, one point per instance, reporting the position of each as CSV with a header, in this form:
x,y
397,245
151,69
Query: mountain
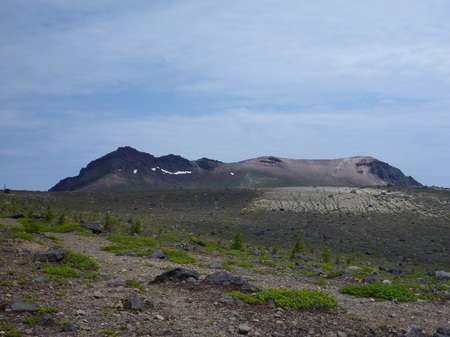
x,y
128,169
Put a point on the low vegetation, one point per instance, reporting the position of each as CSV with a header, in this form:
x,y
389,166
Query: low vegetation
x,y
296,299
381,292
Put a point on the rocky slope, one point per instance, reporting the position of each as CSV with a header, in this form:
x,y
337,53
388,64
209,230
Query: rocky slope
x,y
109,306
129,169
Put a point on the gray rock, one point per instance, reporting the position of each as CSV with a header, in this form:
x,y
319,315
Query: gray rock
x,y
69,327
226,279
23,306
158,254
94,227
244,329
133,303
257,252
54,254
176,274
305,258
443,331
442,275
117,283
372,278
216,266
227,300
42,279
127,253
415,331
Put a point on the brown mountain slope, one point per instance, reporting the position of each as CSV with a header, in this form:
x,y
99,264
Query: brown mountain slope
x,y
129,169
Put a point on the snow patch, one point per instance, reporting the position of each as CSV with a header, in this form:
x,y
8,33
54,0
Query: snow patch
x,y
232,173
135,171
168,172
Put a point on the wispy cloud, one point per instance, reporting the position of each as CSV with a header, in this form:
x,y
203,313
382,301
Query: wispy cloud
x,y
201,78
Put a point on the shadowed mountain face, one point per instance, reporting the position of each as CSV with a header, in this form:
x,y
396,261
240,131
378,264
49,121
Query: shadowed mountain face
x,y
128,169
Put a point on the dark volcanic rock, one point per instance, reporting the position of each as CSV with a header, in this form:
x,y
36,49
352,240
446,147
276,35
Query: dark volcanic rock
x,y
158,254
176,274
226,279
54,254
94,227
23,306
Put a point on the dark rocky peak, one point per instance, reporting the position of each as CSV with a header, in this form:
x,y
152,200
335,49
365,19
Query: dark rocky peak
x,y
391,175
207,164
271,160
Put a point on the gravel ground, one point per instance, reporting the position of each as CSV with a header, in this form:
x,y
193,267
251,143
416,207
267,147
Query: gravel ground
x,y
183,308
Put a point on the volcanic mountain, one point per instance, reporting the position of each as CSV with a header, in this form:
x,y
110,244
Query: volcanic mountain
x,y
128,169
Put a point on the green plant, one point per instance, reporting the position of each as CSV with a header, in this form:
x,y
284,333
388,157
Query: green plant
x,y
126,242
109,332
381,292
46,310
60,293
134,284
30,320
238,243
24,236
296,299
9,330
80,261
177,256
298,248
136,227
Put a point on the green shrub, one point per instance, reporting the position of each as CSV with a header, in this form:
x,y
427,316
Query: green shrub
x,y
9,330
238,243
30,320
177,256
134,284
80,261
24,236
127,242
298,248
381,292
46,310
296,299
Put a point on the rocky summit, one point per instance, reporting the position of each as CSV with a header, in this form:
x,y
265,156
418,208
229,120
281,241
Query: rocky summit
x,y
128,169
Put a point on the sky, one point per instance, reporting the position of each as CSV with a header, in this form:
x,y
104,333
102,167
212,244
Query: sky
x,y
227,80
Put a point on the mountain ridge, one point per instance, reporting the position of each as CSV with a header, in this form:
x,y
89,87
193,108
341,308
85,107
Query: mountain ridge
x,y
129,169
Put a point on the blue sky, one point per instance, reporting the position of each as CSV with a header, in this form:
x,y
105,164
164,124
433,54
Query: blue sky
x,y
228,80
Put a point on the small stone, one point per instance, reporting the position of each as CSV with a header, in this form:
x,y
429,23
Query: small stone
x,y
216,266
80,312
341,334
68,327
387,282
98,294
23,306
159,317
244,329
85,327
41,279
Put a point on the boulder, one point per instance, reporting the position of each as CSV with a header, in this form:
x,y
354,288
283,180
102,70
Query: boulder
x,y
54,254
176,274
94,227
442,275
158,254
133,303
23,306
226,279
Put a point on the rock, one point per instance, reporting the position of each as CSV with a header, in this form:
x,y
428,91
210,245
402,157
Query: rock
x,y
387,282
176,274
227,300
127,253
54,254
98,294
158,254
80,312
226,279
415,331
372,278
42,279
216,266
18,216
442,275
346,274
23,306
117,283
244,329
443,332
94,227
133,303
257,252
159,317
69,327
305,258
46,320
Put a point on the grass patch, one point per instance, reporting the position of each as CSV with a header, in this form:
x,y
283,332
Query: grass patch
x,y
381,292
177,256
134,284
24,236
46,310
296,299
139,244
31,320
9,330
73,265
